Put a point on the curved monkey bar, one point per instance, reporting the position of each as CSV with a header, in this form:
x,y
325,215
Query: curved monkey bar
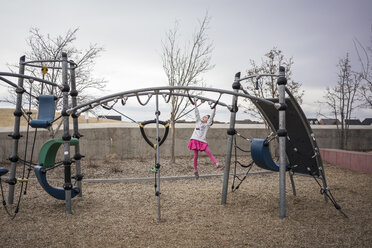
x,y
164,91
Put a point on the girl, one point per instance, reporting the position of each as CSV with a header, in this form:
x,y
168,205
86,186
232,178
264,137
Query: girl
x,y
198,140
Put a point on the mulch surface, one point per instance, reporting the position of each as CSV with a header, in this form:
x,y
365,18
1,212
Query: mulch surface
x,y
125,214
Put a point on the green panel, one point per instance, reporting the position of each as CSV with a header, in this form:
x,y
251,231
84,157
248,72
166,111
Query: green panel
x,y
48,151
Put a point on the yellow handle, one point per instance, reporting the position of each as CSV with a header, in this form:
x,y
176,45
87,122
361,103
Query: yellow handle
x,y
44,69
22,180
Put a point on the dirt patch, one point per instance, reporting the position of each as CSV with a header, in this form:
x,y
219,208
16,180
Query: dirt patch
x,y
125,214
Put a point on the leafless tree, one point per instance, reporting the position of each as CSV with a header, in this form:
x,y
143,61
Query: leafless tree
x,y
343,98
45,47
184,66
267,86
365,57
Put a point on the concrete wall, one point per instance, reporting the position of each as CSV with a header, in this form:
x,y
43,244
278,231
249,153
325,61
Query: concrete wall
x,y
125,140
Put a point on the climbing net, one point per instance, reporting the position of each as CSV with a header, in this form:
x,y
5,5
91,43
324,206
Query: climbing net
x,y
248,165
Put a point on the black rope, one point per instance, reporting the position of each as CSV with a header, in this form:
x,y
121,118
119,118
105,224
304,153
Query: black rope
x,y
188,112
241,136
233,188
56,119
25,156
27,162
215,104
30,163
125,116
56,165
26,115
242,149
245,165
236,162
11,215
329,194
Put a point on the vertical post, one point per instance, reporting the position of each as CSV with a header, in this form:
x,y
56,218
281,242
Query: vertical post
x,y
231,132
16,133
282,134
157,113
74,93
66,135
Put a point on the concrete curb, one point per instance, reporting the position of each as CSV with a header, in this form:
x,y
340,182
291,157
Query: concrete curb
x,y
173,178
150,179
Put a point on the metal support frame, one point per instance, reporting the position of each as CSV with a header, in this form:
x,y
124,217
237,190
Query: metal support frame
x,y
282,144
157,113
236,87
16,131
76,109
75,123
66,136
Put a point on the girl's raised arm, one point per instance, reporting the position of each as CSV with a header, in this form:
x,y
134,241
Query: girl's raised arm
x,y
197,115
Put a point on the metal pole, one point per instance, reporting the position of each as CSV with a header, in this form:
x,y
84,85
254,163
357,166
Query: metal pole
x,y
157,113
282,133
231,132
16,134
74,93
66,135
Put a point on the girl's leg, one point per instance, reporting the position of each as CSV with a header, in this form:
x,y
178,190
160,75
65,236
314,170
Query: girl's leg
x,y
196,154
210,155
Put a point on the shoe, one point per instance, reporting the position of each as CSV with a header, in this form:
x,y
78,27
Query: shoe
x,y
220,166
196,173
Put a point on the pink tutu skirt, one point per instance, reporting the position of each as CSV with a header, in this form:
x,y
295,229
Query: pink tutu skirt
x,y
197,145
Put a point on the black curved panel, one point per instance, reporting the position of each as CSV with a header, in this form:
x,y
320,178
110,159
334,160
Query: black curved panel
x,y
300,146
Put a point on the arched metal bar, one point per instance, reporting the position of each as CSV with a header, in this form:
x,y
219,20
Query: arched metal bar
x,y
258,76
16,86
165,89
8,74
9,82
94,105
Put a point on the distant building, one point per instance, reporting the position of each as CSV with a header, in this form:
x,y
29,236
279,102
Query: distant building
x,y
111,117
313,121
329,122
351,122
367,121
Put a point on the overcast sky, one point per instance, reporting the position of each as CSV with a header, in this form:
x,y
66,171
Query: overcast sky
x,y
315,33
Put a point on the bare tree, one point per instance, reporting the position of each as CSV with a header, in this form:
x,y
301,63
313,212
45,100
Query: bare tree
x,y
45,47
267,86
343,98
365,57
184,67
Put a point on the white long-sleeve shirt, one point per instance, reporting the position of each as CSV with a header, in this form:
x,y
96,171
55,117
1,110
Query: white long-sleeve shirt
x,y
201,129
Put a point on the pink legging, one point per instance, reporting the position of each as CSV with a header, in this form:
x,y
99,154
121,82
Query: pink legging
x,y
208,152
